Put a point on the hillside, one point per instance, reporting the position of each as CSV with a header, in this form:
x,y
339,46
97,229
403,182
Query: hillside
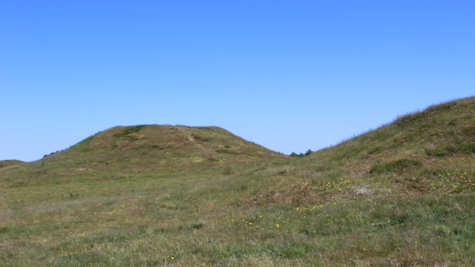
x,y
6,163
431,151
182,144
152,146
155,149
399,195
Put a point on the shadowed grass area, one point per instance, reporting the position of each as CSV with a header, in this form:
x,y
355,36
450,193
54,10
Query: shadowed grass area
x,y
400,195
398,165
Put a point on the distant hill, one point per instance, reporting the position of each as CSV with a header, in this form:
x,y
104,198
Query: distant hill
x,y
6,163
154,146
157,148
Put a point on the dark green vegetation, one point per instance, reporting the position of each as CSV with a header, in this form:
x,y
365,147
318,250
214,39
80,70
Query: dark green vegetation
x,y
301,155
398,165
400,195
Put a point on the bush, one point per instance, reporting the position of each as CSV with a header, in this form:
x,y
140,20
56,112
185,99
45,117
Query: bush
x,y
301,155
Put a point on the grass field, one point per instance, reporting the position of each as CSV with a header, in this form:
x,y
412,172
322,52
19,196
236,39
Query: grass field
x,y
150,195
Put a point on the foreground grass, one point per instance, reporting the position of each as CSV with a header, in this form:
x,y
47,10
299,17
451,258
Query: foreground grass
x,y
402,195
159,226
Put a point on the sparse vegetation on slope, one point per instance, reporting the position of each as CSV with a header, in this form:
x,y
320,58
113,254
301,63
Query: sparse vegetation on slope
x,y
402,194
6,163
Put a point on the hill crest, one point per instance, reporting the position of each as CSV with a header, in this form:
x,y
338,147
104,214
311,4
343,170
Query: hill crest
x,y
165,145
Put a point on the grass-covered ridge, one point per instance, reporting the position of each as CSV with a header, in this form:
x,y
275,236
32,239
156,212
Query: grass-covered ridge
x,y
152,195
10,162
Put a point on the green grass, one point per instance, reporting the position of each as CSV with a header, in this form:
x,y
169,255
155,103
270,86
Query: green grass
x,y
6,163
400,195
398,165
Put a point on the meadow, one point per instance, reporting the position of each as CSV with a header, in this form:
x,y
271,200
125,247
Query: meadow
x,y
161,195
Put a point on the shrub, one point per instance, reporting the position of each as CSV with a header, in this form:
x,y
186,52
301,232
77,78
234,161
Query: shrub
x,y
301,155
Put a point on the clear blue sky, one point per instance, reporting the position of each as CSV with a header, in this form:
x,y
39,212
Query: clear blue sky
x,y
288,75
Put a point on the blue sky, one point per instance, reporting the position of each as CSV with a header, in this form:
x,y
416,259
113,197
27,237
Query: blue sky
x,y
288,75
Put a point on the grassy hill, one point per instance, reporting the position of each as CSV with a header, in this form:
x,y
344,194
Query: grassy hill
x,y
10,162
402,194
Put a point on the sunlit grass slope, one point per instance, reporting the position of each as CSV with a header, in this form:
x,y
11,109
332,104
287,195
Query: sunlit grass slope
x,y
400,195
6,163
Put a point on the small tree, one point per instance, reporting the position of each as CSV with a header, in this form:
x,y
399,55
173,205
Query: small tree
x,y
301,155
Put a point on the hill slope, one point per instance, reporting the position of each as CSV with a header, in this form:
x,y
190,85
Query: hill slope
x,y
6,163
402,194
155,149
431,151
170,145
